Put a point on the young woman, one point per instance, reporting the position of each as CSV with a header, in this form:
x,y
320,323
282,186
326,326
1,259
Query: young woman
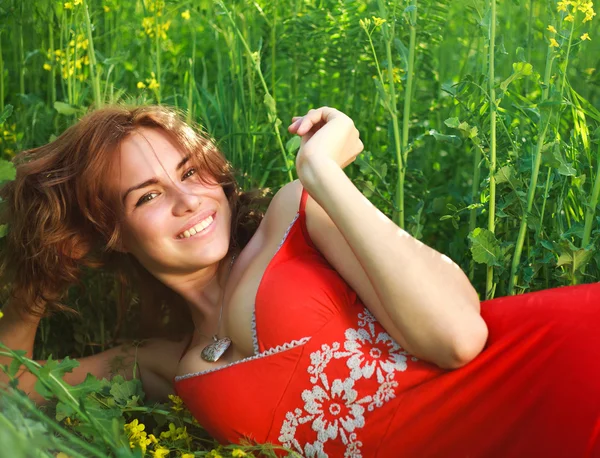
x,y
325,328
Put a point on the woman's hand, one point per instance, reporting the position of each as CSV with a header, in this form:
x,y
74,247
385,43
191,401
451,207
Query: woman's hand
x,y
327,135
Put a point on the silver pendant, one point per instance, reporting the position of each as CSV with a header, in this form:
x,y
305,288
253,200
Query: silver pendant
x,y
213,352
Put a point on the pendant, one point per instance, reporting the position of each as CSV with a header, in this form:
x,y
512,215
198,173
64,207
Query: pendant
x,y
213,352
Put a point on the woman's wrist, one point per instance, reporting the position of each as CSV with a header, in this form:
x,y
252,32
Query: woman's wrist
x,y
314,173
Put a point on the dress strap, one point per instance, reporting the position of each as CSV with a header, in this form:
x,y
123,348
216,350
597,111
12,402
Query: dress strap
x,y
302,218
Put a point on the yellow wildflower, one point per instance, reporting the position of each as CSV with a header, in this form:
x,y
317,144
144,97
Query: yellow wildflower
x,y
1,314
68,5
570,18
177,403
140,85
589,14
365,23
214,454
562,6
238,453
554,43
77,2
159,452
187,455
62,455
378,21
589,71
106,9
551,29
186,15
153,84
134,428
585,36
47,67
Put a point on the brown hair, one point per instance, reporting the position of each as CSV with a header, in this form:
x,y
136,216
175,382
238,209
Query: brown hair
x,y
61,218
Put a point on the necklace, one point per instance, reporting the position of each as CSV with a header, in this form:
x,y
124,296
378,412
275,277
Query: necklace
x,y
214,350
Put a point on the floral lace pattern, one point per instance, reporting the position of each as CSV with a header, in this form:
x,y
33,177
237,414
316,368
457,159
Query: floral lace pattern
x,y
334,410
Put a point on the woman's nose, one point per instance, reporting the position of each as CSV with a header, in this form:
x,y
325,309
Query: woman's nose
x,y
185,201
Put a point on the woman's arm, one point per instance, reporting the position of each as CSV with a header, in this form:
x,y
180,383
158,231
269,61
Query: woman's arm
x,y
153,361
421,297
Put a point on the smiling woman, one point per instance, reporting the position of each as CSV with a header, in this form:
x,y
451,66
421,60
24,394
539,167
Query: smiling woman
x,y
351,337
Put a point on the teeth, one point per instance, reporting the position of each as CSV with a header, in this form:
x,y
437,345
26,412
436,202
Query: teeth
x,y
197,228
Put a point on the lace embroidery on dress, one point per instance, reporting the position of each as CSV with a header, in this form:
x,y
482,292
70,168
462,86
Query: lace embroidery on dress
x,y
335,408
271,351
253,325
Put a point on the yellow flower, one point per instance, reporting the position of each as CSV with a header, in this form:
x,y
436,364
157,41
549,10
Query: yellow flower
x,y
583,37
140,85
186,15
589,14
562,6
62,455
589,71
187,455
106,9
378,21
214,454
77,2
159,452
68,6
365,23
1,314
569,18
554,43
47,67
238,453
153,84
551,29
177,403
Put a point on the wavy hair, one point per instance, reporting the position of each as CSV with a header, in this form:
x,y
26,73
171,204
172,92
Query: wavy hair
x,y
62,218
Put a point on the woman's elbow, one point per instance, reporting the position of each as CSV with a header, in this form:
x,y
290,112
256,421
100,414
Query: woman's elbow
x,y
467,344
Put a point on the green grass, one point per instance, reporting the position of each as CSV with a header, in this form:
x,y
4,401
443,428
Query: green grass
x,y
481,139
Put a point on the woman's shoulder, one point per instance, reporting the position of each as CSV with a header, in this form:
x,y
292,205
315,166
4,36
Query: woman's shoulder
x,y
283,208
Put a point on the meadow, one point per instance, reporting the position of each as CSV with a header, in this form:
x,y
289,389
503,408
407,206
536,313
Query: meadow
x,y
480,119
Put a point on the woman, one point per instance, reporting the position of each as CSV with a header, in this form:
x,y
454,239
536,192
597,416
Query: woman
x,y
326,329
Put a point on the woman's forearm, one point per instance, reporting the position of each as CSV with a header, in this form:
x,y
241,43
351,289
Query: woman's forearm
x,y
17,331
428,297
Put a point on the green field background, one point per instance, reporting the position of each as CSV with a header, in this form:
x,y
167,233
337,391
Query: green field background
x,y
480,120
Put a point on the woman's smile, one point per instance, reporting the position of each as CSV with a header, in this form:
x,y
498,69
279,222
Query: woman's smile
x,y
204,227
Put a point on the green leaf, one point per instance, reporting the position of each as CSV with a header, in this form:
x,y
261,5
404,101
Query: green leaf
x,y
452,122
577,259
8,109
52,373
3,230
452,139
124,390
485,248
65,109
7,171
504,174
293,144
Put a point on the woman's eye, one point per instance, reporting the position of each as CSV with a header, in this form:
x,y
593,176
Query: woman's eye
x,y
146,198
189,173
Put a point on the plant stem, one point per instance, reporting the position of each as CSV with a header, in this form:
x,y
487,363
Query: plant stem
x,y
474,194
590,212
1,76
544,123
490,286
157,44
92,56
273,111
407,100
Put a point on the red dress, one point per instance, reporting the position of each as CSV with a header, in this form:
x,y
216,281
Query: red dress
x,y
328,381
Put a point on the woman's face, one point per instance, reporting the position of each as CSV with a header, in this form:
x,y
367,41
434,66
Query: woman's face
x,y
172,222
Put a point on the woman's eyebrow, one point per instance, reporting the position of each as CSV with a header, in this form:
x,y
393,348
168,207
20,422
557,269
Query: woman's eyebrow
x,y
154,180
